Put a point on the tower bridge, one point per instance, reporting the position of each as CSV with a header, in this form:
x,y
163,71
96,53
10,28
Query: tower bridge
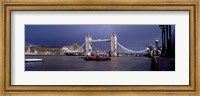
x,y
112,40
115,47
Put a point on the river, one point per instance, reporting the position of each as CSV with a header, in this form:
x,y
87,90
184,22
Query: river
x,y
75,63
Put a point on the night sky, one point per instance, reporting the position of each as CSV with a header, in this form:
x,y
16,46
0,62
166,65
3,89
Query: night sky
x,y
134,37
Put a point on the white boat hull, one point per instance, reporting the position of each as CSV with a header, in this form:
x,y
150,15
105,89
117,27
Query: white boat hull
x,y
33,60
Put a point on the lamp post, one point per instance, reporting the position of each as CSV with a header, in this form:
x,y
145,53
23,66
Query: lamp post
x,y
163,27
156,41
169,42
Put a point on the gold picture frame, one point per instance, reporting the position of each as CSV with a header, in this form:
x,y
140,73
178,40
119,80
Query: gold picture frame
x,y
153,5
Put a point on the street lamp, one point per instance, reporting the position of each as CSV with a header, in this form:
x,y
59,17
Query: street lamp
x,y
163,27
156,41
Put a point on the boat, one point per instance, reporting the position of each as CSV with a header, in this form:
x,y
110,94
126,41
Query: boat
x,y
73,54
33,60
97,57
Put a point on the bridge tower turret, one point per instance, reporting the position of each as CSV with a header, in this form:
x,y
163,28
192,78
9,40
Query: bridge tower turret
x,y
88,45
113,41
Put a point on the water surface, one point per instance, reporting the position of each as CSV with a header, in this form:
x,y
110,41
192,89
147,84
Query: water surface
x,y
75,63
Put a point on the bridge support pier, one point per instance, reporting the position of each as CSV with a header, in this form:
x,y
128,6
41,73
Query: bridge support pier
x,y
88,45
113,41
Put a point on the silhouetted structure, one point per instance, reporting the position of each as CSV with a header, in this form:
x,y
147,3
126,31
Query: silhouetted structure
x,y
166,41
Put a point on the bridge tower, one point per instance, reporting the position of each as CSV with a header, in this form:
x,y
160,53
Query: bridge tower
x,y
113,41
88,45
